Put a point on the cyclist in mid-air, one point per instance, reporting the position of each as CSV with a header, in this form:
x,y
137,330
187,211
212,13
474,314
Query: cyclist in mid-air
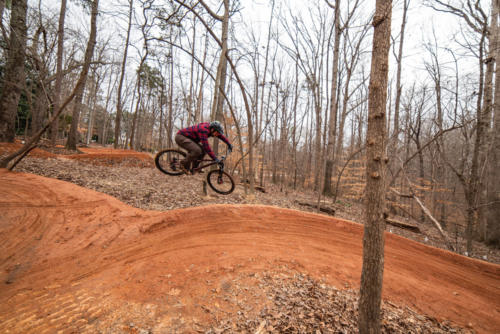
x,y
194,140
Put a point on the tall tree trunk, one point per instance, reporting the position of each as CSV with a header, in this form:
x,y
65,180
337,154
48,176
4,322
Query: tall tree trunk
x,y
332,125
14,76
260,110
220,84
81,81
294,129
198,114
104,133
318,159
170,121
276,149
160,130
190,102
487,116
91,104
475,182
59,75
122,75
492,213
394,140
133,144
74,135
373,239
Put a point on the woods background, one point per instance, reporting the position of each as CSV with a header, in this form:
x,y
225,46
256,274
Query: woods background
x,y
289,83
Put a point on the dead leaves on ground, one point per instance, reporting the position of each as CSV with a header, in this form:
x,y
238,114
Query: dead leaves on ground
x,y
299,304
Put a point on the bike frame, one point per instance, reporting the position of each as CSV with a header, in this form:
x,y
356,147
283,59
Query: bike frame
x,y
210,163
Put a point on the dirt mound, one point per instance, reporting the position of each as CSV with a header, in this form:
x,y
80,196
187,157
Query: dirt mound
x,y
112,157
7,148
94,155
74,259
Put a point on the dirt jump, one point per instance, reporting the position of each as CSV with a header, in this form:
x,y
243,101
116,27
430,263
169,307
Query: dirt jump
x,y
75,260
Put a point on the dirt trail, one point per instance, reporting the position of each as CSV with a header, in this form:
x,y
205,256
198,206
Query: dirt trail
x,y
77,260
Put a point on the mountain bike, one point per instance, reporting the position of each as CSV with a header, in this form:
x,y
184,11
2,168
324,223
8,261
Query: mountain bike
x,y
168,161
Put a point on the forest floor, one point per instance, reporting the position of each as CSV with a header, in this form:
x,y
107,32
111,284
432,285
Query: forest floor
x,y
172,259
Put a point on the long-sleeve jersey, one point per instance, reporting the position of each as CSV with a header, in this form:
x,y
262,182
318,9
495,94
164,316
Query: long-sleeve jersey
x,y
199,134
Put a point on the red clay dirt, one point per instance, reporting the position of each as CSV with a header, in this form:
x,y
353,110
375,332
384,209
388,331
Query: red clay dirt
x,y
75,260
95,155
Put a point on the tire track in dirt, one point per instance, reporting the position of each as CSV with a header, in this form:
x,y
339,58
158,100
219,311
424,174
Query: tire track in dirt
x,y
163,267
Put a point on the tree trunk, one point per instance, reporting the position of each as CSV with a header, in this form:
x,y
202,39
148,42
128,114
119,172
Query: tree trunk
x,y
317,144
74,135
478,155
492,214
220,84
373,239
198,113
394,140
170,119
160,130
96,83
487,116
14,76
59,75
104,133
332,126
122,75
81,81
133,144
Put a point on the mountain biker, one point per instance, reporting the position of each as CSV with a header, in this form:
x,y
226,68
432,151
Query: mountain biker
x,y
194,139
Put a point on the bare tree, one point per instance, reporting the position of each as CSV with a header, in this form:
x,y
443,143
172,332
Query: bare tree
x,y
119,106
220,81
493,194
308,50
142,70
376,160
31,143
487,114
59,75
243,93
332,125
472,182
14,71
399,59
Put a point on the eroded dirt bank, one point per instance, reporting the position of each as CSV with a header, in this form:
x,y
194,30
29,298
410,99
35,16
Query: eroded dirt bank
x,y
75,259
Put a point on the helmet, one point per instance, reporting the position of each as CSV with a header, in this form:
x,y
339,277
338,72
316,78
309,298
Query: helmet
x,y
216,126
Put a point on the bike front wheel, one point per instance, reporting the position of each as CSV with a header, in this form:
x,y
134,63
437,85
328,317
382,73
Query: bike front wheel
x,y
220,181
168,161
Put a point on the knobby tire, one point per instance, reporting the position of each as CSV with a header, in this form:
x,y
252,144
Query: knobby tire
x,y
167,166
213,176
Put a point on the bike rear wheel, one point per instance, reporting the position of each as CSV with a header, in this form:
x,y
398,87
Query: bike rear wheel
x,y
220,181
168,161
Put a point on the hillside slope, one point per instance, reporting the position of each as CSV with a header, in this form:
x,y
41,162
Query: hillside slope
x,y
77,260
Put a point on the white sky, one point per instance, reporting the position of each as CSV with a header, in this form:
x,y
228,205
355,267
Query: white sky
x,y
421,22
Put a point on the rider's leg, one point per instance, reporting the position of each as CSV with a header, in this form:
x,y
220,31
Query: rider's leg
x,y
198,159
192,148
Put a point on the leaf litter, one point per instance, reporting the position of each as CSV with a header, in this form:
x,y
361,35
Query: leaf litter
x,y
294,302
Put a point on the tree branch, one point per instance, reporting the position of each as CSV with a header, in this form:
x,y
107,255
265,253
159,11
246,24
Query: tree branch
x,y
438,135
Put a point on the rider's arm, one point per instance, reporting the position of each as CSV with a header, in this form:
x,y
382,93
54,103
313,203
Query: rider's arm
x,y
207,148
225,140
